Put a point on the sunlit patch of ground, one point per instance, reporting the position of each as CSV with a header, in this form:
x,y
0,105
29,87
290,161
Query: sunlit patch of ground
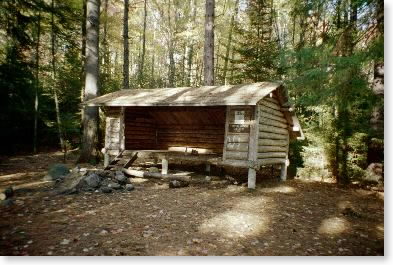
x,y
333,226
281,189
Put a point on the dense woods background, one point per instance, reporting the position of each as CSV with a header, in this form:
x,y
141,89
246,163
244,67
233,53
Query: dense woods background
x,y
329,54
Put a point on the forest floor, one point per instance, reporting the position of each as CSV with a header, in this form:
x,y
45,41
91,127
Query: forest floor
x,y
278,218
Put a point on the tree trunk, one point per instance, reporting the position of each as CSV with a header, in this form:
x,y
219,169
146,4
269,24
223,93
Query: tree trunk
x,y
53,49
105,42
126,66
142,62
90,117
208,57
229,43
37,83
172,68
83,73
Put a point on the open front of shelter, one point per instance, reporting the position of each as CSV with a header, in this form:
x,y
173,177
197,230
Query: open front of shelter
x,y
247,126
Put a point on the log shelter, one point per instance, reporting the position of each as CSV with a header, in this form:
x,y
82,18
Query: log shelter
x,y
247,126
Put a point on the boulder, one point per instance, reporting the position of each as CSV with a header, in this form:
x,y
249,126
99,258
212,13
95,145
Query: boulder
x,y
177,184
7,202
130,187
93,180
106,190
57,172
114,185
374,173
121,178
9,192
153,169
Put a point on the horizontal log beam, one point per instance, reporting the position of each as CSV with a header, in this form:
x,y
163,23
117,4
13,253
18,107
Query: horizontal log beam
x,y
272,117
271,142
270,148
266,135
272,155
272,100
271,111
237,138
267,121
145,174
271,161
271,105
242,147
273,129
236,155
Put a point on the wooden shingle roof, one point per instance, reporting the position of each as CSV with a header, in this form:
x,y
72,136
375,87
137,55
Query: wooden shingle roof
x,y
246,94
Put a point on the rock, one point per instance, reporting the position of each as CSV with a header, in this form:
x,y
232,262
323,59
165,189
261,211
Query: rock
x,y
153,170
374,173
57,172
130,187
114,185
2,197
93,180
120,177
177,184
65,242
106,190
9,192
7,202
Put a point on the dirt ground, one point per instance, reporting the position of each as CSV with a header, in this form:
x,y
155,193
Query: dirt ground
x,y
278,218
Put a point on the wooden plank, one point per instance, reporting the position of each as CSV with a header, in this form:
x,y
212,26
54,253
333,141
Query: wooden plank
x,y
270,161
272,155
270,105
273,129
275,123
242,147
237,138
271,142
268,148
271,111
266,135
227,113
264,114
253,147
234,163
272,100
236,155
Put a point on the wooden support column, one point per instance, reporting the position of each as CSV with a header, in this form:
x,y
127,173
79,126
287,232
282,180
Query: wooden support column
x,y
106,159
164,166
224,151
207,169
283,175
122,129
253,148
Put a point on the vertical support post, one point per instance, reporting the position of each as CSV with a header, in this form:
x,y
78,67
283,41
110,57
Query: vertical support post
x,y
226,133
283,175
122,128
164,168
207,169
253,148
252,177
106,159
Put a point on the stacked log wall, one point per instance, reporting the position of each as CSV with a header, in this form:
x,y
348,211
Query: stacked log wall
x,y
112,129
140,130
239,119
273,137
161,128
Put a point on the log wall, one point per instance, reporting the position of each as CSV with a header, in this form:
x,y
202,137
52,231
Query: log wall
x,y
163,128
239,119
273,137
112,128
